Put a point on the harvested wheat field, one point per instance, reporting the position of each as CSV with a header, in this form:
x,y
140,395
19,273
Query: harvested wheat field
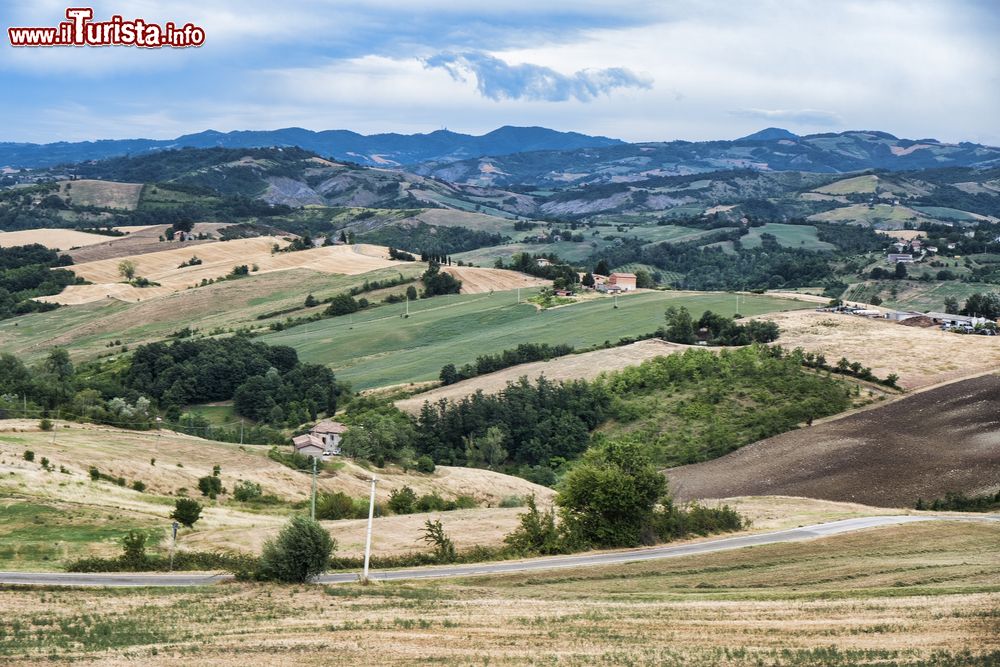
x,y
102,194
217,260
56,239
920,357
919,446
142,239
585,366
482,281
918,594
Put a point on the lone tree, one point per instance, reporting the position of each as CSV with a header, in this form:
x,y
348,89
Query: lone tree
x,y
126,268
186,512
607,500
299,554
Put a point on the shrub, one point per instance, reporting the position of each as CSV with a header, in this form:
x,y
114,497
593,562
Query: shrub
x,y
246,491
210,486
536,534
186,512
95,474
299,554
45,424
335,506
425,464
138,486
513,501
134,550
444,548
402,501
29,455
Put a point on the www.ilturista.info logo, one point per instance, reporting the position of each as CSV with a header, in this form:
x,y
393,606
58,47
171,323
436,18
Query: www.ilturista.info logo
x,y
80,30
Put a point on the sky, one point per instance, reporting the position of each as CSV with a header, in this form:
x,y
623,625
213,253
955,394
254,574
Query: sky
x,y
640,71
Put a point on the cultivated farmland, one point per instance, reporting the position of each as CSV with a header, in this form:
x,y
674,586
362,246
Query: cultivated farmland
x,y
382,347
56,239
910,595
102,194
217,260
587,365
919,357
920,446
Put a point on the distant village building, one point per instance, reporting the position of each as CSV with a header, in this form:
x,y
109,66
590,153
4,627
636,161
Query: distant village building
x,y
950,320
541,261
322,440
626,281
899,258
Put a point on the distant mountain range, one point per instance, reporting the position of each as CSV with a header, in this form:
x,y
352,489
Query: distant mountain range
x,y
772,149
385,150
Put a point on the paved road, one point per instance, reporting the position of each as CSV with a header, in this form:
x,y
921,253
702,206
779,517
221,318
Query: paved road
x,y
534,564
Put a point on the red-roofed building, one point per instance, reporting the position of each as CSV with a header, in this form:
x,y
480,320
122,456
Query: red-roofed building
x,y
626,281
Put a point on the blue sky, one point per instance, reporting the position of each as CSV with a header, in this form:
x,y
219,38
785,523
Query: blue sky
x,y
638,71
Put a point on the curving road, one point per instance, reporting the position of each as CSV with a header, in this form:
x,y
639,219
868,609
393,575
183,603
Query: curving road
x,y
504,567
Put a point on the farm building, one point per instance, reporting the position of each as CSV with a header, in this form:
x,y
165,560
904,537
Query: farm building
x,y
609,288
309,445
329,433
541,261
626,281
950,320
899,258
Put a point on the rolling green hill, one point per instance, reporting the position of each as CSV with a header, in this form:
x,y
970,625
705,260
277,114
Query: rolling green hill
x,y
379,348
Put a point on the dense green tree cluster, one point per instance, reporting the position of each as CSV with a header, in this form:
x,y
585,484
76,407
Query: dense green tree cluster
x,y
539,421
717,329
438,282
983,305
553,269
267,383
433,239
27,272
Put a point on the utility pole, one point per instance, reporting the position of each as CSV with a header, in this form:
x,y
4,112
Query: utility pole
x,y
407,305
368,537
313,511
519,295
173,544
241,431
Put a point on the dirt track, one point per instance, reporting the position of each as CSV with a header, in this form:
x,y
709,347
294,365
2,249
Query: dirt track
x,y
943,439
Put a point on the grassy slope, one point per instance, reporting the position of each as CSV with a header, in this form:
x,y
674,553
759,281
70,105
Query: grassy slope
x,y
791,236
916,594
381,348
86,329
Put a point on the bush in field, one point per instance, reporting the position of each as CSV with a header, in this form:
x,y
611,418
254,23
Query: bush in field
x,y
134,551
444,548
537,533
186,512
425,464
334,506
402,501
29,455
210,486
246,491
299,554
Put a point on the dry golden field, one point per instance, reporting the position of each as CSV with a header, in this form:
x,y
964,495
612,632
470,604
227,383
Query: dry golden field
x,y
56,239
920,357
169,464
482,281
587,365
921,594
218,259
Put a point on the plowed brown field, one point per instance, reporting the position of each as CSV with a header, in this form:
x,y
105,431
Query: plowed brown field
x,y
921,446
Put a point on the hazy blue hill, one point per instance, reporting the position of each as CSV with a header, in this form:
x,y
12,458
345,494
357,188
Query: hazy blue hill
x,y
376,149
770,134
